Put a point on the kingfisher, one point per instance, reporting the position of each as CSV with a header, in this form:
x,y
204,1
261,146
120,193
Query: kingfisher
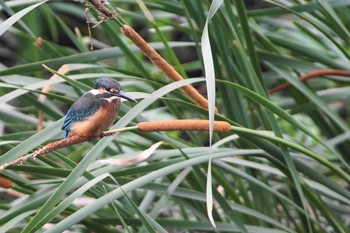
x,y
96,110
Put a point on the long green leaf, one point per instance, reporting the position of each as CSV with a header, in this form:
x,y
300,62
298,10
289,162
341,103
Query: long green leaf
x,y
210,81
14,18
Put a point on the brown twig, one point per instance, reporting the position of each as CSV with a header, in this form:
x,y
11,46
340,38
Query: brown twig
x,y
310,75
48,148
101,8
89,28
194,125
162,64
20,160
62,143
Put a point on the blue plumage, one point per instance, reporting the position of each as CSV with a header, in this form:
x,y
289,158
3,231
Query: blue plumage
x,y
84,107
107,83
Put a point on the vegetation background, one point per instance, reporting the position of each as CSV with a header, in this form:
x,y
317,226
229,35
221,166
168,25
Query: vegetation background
x,y
283,168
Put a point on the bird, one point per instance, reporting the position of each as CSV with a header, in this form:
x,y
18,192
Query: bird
x,y
96,110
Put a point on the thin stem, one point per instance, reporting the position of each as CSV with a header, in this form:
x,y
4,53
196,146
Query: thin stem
x,y
104,10
312,74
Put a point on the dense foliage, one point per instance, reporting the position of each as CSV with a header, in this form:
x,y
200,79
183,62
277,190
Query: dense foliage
x,y
283,168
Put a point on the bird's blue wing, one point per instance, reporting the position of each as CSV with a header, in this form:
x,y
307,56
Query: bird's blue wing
x,y
84,107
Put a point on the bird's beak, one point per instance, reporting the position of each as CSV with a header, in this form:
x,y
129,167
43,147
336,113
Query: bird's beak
x,y
122,94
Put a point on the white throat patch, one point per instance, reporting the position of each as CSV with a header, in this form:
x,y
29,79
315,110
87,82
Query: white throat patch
x,y
94,92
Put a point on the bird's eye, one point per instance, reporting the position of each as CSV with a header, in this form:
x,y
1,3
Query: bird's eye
x,y
108,89
112,90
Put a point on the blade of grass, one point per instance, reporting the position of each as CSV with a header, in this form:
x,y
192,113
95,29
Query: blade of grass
x,y
14,18
210,82
136,183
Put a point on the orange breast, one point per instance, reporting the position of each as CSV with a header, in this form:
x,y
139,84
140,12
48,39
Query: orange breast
x,y
97,123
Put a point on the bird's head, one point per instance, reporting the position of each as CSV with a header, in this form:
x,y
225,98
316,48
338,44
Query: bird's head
x,y
108,87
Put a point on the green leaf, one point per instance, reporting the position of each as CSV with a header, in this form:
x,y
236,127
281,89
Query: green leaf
x,y
14,18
